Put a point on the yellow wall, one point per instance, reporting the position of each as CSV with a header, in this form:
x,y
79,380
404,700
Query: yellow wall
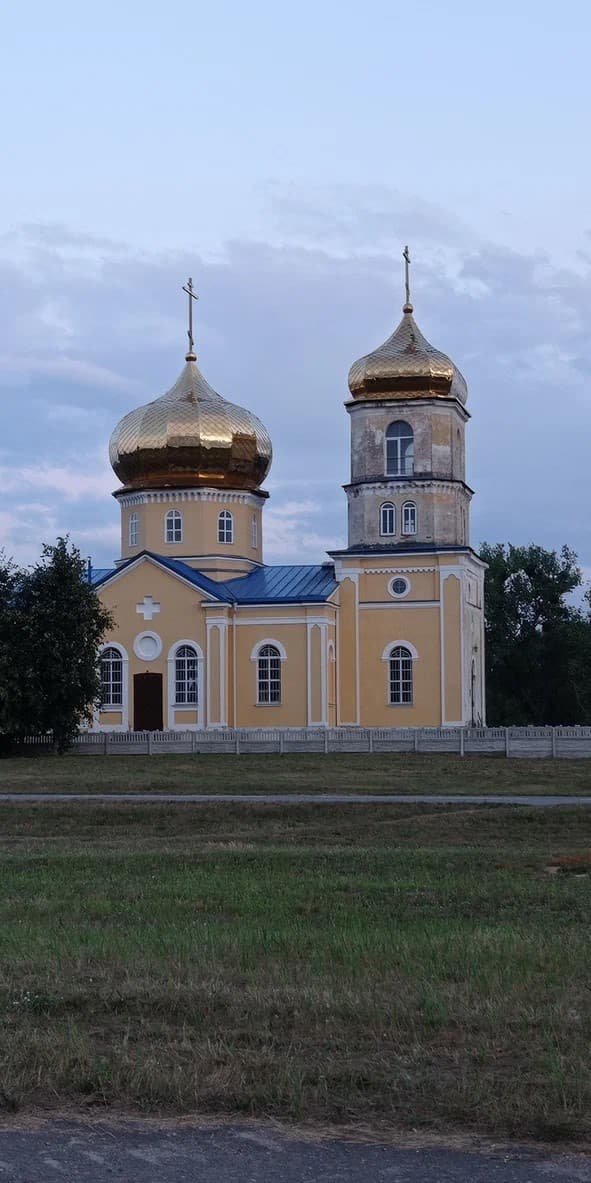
x,y
362,623
200,533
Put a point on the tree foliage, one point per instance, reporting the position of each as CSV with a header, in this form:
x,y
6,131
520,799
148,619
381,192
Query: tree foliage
x,y
538,644
51,625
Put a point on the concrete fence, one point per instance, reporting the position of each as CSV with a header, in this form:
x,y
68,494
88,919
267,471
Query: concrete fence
x,y
528,742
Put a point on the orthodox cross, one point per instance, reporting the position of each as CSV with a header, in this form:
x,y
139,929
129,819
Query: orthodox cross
x,y
188,288
406,257
148,608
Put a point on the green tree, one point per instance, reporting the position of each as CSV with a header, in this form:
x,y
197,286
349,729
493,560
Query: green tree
x,y
538,645
55,624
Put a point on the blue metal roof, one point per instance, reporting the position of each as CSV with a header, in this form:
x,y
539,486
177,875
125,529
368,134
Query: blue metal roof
x,y
264,585
197,578
97,574
284,585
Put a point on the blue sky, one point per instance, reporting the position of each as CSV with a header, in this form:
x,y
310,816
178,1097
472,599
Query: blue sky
x,y
283,156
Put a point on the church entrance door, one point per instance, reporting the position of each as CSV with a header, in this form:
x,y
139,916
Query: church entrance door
x,y
147,702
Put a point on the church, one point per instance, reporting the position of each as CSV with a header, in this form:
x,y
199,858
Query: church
x,y
388,632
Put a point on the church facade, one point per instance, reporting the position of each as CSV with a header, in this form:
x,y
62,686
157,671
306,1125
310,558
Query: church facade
x,y
388,632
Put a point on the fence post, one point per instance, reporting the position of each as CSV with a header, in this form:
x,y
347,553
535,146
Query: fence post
x,y
370,738
237,742
506,741
461,741
281,743
416,740
106,744
553,741
325,740
193,741
150,743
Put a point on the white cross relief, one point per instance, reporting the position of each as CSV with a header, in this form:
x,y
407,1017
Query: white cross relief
x,y
148,608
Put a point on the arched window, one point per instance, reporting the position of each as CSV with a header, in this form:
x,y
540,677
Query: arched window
x,y
174,526
387,518
133,529
111,668
409,518
225,527
400,668
399,449
185,676
268,675
254,531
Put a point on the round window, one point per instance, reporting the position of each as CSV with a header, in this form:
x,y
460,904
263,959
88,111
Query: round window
x,y
399,587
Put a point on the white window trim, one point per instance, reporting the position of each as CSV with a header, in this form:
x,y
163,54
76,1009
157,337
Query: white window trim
x,y
254,656
124,706
399,595
408,505
405,645
173,707
387,505
173,516
386,658
134,529
386,438
228,519
254,532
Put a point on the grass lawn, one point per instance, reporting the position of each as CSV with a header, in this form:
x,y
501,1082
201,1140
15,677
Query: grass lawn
x,y
401,965
379,773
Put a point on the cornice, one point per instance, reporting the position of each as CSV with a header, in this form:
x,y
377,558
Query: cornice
x,y
382,484
224,496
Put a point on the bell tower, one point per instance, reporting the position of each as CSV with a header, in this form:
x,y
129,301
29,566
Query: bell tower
x,y
407,487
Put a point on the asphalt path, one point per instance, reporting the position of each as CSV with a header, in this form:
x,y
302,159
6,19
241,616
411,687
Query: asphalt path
x,y
137,1153
300,798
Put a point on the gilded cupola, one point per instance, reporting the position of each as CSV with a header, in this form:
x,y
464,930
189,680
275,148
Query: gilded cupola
x,y
190,437
406,365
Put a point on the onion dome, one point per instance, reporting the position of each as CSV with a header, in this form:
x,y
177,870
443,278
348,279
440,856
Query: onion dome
x,y
190,437
406,365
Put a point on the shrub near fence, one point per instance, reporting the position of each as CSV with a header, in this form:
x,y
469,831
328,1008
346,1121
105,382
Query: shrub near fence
x,y
567,742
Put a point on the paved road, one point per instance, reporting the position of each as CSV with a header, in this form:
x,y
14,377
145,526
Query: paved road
x,y
301,798
136,1153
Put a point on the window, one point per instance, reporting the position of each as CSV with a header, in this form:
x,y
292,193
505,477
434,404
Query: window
x,y
409,518
399,586
133,529
225,527
387,518
269,674
111,666
399,449
185,676
400,666
174,526
254,532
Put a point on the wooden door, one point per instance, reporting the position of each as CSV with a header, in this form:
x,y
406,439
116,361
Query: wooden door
x,y
147,702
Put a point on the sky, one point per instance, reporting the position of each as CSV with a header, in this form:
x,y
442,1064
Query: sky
x,y
282,156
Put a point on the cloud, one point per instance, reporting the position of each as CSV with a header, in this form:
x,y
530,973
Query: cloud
x,y
277,327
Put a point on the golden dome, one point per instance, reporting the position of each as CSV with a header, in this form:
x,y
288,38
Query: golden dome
x,y
191,436
406,366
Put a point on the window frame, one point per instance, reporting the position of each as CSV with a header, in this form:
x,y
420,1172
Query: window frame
x,y
406,507
387,508
269,680
173,526
402,464
185,654
400,676
225,527
254,532
134,529
111,703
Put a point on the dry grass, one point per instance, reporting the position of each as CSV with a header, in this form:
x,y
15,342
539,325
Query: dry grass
x,y
380,773
408,965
